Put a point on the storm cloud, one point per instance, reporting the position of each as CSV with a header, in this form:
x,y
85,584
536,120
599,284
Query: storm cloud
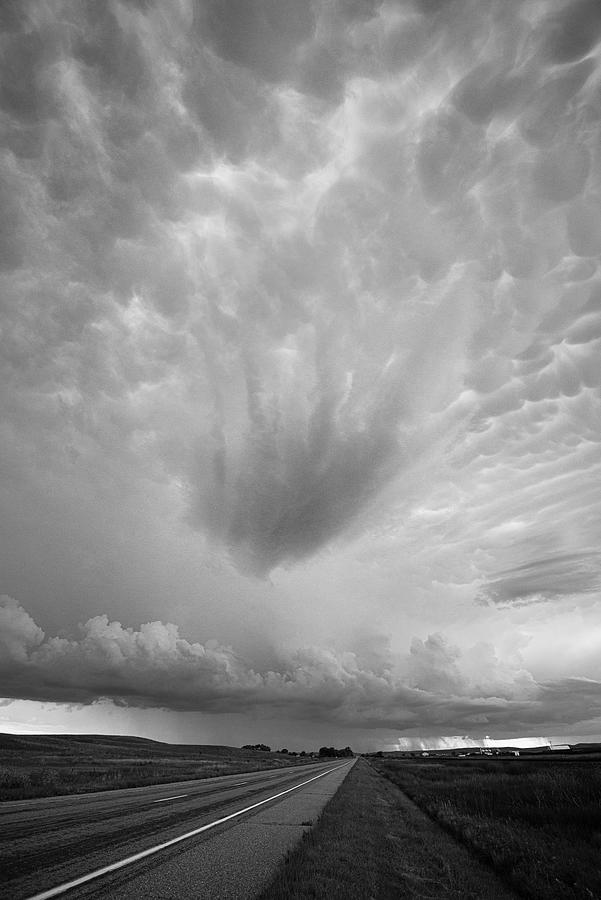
x,y
434,684
567,574
307,293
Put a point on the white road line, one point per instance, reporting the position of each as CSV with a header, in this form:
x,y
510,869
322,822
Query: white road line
x,y
238,783
68,885
164,799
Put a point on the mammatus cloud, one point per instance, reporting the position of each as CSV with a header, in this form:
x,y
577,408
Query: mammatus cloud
x,y
435,685
298,259
314,283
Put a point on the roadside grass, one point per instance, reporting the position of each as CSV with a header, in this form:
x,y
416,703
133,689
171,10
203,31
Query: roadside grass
x,y
45,766
536,823
372,843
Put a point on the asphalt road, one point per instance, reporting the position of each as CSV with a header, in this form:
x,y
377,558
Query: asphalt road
x,y
47,843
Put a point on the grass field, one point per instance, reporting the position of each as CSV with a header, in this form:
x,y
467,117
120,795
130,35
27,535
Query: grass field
x,y
537,823
47,765
372,843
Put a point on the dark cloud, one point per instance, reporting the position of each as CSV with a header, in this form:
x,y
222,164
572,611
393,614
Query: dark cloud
x,y
563,574
26,85
450,156
292,493
13,14
156,667
230,108
552,100
490,90
568,700
260,35
433,665
572,33
202,224
275,275
584,228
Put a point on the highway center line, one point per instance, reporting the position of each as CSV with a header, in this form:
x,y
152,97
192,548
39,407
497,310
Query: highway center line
x,y
164,799
63,888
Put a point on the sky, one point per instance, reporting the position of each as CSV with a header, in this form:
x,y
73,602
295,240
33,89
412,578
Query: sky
x,y
300,366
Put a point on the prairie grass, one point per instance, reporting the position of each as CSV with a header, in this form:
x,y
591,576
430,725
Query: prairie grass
x,y
44,766
537,823
372,843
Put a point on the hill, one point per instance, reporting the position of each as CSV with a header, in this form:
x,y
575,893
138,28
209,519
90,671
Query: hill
x,y
39,765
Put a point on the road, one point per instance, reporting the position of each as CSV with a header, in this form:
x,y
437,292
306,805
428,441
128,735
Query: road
x,y
212,838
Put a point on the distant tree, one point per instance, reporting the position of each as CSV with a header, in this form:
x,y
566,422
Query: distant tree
x,y
262,747
283,750
332,752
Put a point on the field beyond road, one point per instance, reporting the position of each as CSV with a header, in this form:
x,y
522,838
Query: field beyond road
x,y
436,829
51,765
536,822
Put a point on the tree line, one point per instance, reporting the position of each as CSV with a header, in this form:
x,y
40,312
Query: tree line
x,y
327,752
333,752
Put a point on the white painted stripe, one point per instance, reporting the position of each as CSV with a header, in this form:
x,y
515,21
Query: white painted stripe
x,y
63,888
238,783
164,799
